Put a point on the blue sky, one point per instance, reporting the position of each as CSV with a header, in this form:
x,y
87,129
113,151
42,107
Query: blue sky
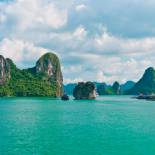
x,y
101,40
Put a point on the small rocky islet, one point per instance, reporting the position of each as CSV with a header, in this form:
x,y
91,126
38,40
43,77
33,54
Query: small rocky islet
x,y
84,90
143,89
146,97
45,80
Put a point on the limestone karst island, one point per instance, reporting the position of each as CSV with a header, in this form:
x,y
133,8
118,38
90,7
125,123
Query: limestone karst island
x,y
46,79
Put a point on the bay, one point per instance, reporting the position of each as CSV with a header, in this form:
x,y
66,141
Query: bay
x,y
109,125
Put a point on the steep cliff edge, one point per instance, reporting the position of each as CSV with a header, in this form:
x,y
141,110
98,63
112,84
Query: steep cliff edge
x,y
48,67
45,79
146,85
84,91
4,70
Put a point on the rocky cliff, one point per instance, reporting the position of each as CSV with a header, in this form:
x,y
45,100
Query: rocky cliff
x,y
45,79
127,85
146,85
104,89
4,70
48,66
84,91
116,88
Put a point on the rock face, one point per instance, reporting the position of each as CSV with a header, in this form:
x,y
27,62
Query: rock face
x,y
49,67
45,79
4,70
146,85
84,91
116,88
102,89
127,85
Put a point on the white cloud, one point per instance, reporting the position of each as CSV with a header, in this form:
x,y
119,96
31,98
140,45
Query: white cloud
x,y
30,27
80,7
88,58
80,33
20,51
76,80
131,46
28,14
2,18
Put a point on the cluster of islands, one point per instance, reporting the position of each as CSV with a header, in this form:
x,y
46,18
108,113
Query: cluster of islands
x,y
45,79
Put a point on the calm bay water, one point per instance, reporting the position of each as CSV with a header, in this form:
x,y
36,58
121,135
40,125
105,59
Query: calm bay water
x,y
108,126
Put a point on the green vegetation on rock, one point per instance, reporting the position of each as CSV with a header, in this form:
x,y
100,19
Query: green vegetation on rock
x,y
46,81
146,85
103,89
84,90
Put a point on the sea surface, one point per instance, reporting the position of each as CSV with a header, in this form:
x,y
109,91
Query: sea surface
x,y
109,125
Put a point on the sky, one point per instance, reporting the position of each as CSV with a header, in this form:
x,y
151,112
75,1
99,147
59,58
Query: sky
x,y
101,40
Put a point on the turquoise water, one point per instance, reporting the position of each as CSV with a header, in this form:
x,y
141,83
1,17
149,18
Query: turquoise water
x,y
108,126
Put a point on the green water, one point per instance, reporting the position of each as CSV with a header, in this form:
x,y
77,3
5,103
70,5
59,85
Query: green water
x,y
107,126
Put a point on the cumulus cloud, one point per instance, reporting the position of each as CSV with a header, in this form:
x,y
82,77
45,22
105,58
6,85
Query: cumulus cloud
x,y
109,58
80,7
129,46
80,32
115,46
28,14
21,52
